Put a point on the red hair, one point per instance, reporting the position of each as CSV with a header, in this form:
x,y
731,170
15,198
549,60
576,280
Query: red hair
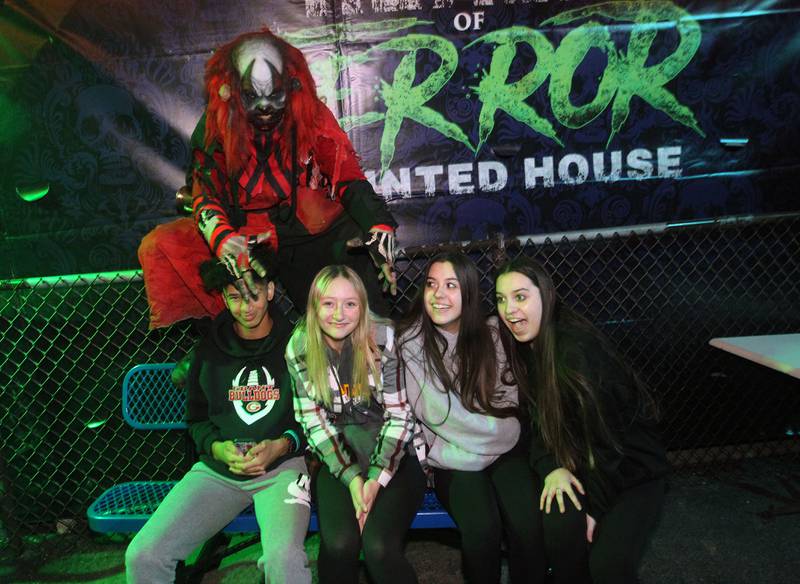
x,y
226,119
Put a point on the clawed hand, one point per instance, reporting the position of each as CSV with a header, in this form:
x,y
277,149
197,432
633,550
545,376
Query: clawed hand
x,y
235,254
380,245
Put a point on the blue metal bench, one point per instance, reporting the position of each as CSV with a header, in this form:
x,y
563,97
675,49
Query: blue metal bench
x,y
150,401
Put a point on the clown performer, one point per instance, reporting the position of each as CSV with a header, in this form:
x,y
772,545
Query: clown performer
x,y
272,166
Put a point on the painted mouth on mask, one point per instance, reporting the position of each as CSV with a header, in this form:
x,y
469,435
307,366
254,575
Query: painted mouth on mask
x,y
266,121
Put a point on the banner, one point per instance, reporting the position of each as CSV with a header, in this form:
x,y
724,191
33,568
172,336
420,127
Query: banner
x,y
471,118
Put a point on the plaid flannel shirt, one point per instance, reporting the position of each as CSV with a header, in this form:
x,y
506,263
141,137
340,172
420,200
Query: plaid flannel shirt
x,y
326,440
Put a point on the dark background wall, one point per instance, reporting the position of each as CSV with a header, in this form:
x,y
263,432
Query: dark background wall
x,y
98,99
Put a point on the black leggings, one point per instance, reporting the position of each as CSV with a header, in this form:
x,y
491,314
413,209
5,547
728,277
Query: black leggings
x,y
384,532
619,538
485,504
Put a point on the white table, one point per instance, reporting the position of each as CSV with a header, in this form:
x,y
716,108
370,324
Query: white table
x,y
780,352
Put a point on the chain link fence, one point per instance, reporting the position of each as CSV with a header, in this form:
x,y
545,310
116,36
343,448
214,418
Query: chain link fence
x,y
659,292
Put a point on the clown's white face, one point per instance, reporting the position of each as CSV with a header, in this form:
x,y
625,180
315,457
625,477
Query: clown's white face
x,y
260,66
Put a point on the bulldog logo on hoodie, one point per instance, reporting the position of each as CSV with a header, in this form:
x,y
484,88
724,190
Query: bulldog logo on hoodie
x,y
253,394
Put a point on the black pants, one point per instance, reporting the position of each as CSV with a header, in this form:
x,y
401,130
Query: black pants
x,y
384,533
619,538
485,505
300,261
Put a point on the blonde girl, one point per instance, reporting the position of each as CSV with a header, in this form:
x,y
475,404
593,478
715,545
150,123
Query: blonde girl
x,y
357,422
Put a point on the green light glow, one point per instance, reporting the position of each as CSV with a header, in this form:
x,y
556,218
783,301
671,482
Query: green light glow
x,y
34,192
73,280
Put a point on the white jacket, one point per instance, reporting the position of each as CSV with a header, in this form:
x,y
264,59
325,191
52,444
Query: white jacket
x,y
456,438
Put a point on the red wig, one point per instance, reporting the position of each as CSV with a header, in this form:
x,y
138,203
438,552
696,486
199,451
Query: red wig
x,y
226,119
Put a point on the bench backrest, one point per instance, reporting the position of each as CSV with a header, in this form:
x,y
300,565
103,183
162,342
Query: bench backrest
x,y
150,401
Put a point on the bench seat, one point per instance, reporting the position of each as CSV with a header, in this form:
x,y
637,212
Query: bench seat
x,y
124,508
150,401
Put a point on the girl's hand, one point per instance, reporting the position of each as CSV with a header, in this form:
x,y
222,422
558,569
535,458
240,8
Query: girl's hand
x,y
556,484
370,492
590,525
357,495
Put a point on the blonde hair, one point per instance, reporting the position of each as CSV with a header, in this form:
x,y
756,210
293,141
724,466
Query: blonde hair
x,y
366,355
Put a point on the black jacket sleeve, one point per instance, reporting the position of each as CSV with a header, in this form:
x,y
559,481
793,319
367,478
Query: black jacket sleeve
x,y
542,460
202,430
603,479
636,454
365,207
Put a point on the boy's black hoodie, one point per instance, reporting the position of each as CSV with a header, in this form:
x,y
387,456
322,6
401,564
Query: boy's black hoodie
x,y
240,388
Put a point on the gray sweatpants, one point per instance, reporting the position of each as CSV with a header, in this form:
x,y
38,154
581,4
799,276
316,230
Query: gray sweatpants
x,y
203,502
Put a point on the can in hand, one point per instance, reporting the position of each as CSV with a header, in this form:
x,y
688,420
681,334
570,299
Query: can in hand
x,y
243,445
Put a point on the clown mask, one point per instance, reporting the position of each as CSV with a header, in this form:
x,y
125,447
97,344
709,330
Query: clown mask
x,y
260,67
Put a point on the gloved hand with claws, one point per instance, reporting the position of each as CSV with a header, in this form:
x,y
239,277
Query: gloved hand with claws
x,y
381,248
234,253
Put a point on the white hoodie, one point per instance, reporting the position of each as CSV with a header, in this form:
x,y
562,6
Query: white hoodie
x,y
460,439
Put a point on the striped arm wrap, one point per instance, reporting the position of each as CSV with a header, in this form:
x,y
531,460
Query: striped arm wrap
x,y
212,220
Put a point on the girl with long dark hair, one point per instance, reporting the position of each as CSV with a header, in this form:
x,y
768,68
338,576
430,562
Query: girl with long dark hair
x,y
594,441
451,360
